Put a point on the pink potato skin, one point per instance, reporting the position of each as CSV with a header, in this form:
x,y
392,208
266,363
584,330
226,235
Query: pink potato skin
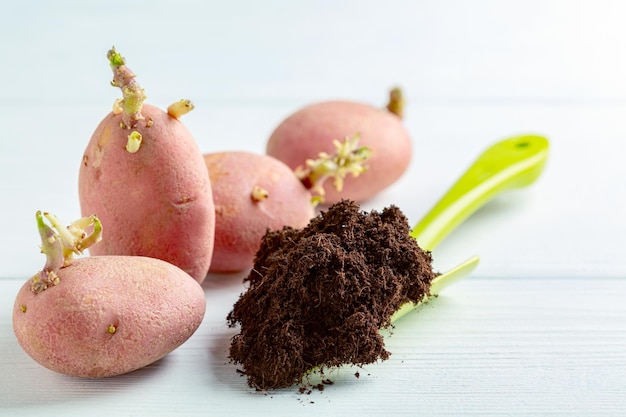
x,y
153,305
312,129
156,202
241,222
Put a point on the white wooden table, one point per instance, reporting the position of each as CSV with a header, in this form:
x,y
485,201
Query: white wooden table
x,y
539,328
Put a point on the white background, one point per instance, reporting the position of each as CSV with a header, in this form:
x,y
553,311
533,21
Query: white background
x,y
540,328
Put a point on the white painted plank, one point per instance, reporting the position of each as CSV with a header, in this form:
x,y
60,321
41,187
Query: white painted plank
x,y
484,347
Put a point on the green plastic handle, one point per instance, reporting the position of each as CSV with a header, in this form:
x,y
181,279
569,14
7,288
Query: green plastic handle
x,y
511,163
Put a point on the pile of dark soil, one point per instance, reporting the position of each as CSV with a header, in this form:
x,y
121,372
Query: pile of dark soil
x,y
318,296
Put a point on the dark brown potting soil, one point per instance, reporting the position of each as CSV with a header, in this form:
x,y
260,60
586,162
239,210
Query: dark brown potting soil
x,y
318,296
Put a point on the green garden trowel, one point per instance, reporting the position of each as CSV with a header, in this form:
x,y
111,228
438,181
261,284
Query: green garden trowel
x,y
511,163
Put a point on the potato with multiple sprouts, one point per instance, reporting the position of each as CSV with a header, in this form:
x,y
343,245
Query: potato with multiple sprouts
x,y
102,316
300,137
254,193
143,174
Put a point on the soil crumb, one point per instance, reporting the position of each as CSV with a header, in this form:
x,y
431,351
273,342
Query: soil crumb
x,y
318,296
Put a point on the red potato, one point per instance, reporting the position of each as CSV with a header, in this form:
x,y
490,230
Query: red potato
x,y
108,315
312,129
252,193
143,174
102,316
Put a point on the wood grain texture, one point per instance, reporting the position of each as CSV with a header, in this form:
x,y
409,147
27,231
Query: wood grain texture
x,y
485,347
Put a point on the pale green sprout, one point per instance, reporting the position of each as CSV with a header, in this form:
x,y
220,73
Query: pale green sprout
x,y
396,102
134,142
259,193
349,159
180,108
130,106
50,246
133,95
60,244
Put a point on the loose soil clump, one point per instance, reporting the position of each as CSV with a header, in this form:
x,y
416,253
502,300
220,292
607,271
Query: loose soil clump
x,y
318,296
